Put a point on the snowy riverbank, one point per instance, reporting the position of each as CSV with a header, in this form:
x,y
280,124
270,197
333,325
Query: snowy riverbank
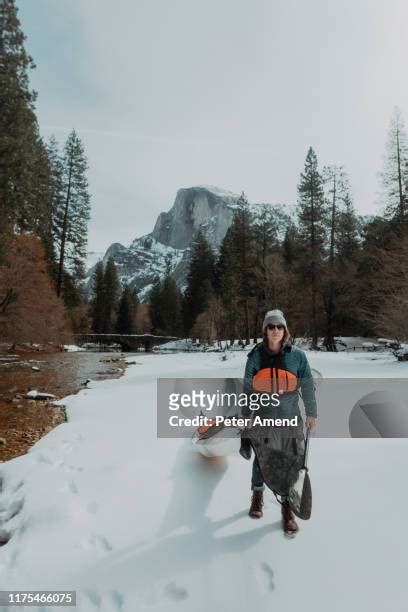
x,y
134,523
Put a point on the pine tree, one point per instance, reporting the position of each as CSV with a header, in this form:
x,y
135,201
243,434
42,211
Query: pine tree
x,y
349,228
291,246
343,244
271,223
55,183
171,307
269,228
165,301
136,304
394,175
126,320
311,214
335,180
72,212
43,201
98,299
245,244
200,281
21,149
266,227
154,307
237,271
228,285
74,292
112,289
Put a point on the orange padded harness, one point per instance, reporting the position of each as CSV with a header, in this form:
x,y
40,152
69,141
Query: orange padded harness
x,y
274,380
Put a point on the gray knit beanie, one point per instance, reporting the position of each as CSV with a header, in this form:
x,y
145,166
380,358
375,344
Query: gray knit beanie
x,y
275,317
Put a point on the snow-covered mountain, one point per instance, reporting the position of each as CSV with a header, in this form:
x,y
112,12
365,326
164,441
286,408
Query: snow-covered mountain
x,y
204,208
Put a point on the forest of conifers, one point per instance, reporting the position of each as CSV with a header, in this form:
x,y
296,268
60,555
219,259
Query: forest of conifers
x,y
331,270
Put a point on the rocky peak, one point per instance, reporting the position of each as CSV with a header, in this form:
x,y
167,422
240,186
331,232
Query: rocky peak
x,y
204,208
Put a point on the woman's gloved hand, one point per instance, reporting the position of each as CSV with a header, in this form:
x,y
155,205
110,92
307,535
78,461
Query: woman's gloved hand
x,y
310,422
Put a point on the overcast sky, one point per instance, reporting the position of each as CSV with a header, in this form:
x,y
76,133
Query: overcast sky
x,y
173,93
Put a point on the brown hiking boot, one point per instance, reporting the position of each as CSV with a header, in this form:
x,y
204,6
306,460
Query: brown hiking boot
x,y
290,527
255,510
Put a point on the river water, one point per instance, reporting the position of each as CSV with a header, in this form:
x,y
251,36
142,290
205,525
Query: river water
x,y
24,421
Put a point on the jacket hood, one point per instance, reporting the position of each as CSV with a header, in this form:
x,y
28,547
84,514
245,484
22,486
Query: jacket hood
x,y
286,347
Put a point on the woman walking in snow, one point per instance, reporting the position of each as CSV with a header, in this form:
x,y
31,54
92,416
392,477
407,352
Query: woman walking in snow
x,y
272,364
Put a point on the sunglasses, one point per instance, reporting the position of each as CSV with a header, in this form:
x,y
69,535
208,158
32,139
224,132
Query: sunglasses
x,y
271,326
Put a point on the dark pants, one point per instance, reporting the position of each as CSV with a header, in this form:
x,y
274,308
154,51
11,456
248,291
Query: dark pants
x,y
257,482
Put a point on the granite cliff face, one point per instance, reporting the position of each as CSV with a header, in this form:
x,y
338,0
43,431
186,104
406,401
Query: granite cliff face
x,y
204,208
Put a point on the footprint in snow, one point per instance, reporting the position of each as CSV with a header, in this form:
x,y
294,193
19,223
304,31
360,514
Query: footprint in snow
x,y
268,574
73,468
12,510
69,487
118,600
93,596
7,513
4,537
112,601
95,541
18,486
59,463
176,592
66,446
41,458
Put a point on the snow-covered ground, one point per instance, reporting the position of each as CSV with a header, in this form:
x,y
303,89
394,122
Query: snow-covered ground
x,y
135,523
72,348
